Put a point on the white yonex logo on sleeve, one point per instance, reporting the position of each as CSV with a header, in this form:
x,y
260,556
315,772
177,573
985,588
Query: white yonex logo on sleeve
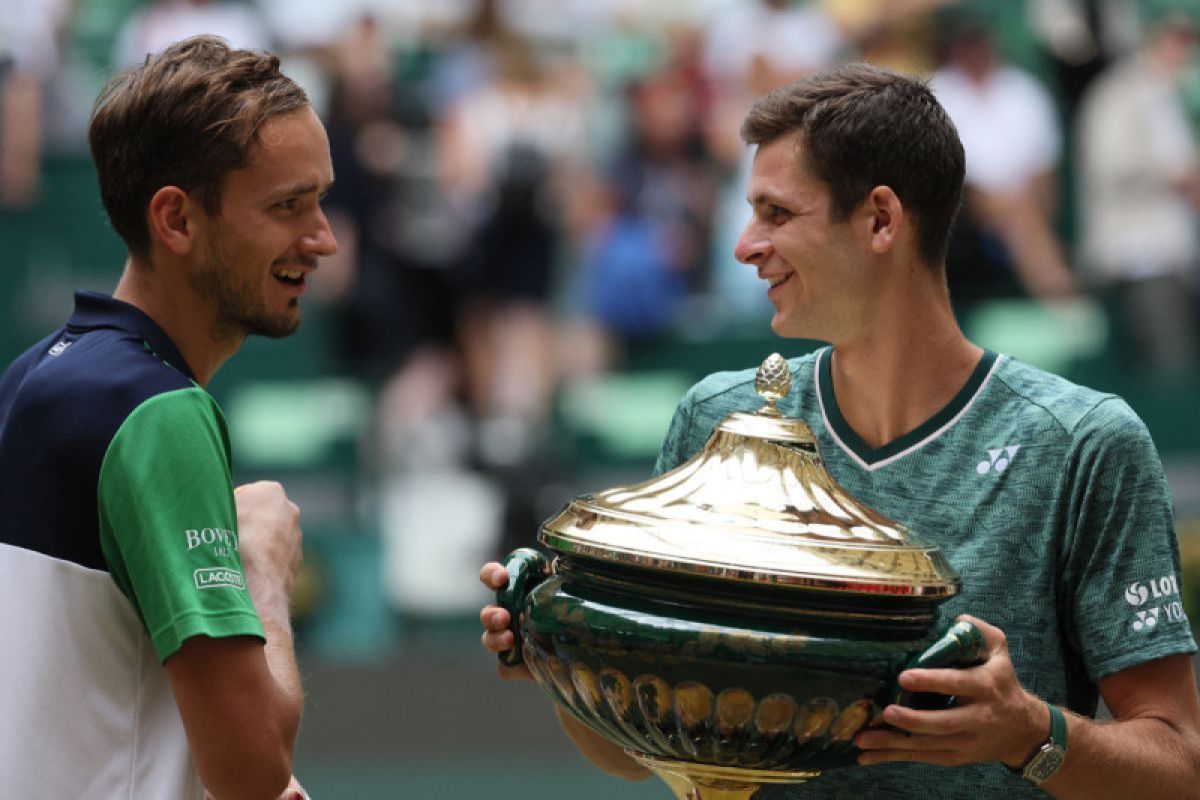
x,y
998,459
1165,590
1146,619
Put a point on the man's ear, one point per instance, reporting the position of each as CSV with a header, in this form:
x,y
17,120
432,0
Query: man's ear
x,y
171,219
886,215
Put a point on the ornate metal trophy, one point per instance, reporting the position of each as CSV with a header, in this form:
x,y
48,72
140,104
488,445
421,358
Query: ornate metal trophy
x,y
736,621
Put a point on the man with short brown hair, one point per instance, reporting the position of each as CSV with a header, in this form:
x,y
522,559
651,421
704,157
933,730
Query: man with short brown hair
x,y
148,601
1047,498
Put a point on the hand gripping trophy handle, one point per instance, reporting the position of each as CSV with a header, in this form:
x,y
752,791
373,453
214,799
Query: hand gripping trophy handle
x,y
526,568
961,645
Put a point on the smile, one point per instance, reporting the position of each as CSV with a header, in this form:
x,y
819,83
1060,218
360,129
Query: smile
x,y
779,280
291,276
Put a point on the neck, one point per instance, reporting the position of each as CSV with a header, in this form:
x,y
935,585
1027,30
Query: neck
x,y
911,361
164,295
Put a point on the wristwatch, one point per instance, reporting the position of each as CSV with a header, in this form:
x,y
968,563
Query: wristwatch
x,y
1050,755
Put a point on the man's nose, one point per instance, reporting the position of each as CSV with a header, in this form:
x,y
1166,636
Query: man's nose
x,y
753,246
320,241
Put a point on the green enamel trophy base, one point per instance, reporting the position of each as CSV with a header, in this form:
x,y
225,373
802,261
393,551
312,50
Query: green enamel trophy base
x,y
704,782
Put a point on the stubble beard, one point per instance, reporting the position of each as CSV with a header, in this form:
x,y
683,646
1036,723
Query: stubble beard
x,y
240,308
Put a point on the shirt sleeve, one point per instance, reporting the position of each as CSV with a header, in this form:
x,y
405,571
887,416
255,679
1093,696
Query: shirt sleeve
x,y
1121,576
168,523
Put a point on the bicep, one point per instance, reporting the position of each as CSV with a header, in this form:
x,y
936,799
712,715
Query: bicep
x,y
1163,689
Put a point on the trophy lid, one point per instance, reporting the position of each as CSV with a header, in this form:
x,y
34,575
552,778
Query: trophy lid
x,y
756,505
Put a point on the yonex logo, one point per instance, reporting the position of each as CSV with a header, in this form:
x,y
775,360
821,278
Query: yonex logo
x,y
1146,619
998,460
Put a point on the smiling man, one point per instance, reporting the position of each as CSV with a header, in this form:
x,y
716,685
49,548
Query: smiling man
x,y
144,602
1046,497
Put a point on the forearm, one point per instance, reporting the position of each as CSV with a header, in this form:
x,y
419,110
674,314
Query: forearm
x,y
1144,757
281,661
602,753
271,600
21,132
1037,256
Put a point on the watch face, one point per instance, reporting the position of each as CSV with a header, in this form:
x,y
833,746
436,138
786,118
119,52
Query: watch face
x,y
1045,763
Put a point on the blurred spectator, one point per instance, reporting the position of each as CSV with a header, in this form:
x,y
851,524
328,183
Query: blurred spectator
x,y
779,37
1081,38
753,48
165,21
893,33
29,33
644,258
386,313
756,46
1005,242
1140,193
467,57
510,152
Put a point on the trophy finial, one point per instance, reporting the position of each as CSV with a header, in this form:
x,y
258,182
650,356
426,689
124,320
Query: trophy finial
x,y
773,382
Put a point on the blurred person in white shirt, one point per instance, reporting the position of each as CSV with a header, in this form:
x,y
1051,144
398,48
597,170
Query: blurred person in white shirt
x,y
163,22
1139,193
29,31
1013,141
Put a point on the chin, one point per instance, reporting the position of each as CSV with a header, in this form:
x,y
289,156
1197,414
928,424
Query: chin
x,y
791,329
276,328
784,327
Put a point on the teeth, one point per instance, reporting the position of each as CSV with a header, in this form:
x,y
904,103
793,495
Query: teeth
x,y
776,281
290,274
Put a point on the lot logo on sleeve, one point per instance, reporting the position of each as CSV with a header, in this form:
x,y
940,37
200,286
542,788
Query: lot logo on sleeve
x,y
217,578
1166,591
998,459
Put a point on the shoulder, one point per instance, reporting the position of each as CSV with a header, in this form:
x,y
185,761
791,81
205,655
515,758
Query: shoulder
x,y
724,392
715,397
93,383
15,374
118,365
1080,412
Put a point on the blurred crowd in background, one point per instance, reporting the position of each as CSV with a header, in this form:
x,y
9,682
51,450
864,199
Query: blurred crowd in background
x,y
533,194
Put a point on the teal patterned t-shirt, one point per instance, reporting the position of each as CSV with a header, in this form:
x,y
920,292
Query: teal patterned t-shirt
x,y
1050,501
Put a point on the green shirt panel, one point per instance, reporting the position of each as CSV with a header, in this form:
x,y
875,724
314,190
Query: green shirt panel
x,y
168,523
1048,499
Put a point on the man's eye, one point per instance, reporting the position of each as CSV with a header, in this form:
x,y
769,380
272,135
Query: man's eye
x,y
776,213
287,205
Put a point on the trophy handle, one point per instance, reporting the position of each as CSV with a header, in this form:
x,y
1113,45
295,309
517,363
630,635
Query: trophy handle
x,y
961,645
526,568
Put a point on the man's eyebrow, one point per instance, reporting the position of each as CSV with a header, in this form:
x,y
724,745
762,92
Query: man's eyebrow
x,y
306,187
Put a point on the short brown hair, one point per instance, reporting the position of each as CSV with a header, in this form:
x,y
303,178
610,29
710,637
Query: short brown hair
x,y
863,126
187,117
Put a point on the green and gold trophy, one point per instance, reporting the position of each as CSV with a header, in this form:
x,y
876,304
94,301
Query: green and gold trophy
x,y
736,621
